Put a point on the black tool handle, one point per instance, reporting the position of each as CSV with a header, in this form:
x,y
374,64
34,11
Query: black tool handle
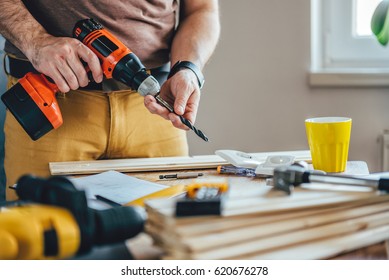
x,y
383,184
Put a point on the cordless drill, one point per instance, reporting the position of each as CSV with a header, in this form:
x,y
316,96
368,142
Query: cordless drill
x,y
32,100
53,221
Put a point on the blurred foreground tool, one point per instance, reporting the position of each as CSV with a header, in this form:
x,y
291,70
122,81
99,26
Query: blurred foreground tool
x,y
202,199
61,224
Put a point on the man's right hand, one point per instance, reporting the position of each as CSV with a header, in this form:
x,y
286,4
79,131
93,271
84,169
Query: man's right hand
x,y
60,59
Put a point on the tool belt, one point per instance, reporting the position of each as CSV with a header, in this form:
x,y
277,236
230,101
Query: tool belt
x,y
19,67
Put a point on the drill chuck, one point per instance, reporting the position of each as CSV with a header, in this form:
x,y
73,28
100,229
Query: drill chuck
x,y
130,71
149,86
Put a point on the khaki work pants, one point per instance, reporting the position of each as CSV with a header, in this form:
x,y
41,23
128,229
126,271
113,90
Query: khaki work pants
x,y
96,126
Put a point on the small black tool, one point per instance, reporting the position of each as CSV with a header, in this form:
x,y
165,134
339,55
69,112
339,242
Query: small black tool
x,y
202,199
107,200
187,175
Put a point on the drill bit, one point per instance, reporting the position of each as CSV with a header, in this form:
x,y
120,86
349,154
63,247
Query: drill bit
x,y
198,132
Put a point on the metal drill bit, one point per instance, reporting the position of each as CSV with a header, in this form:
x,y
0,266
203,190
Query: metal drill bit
x,y
198,132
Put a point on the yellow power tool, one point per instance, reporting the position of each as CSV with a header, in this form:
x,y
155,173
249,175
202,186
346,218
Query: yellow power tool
x,y
38,232
53,221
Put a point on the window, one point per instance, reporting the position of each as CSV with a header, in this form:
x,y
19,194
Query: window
x,y
364,10
344,51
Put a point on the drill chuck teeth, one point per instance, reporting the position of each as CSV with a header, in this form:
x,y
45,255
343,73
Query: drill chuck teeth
x,y
149,86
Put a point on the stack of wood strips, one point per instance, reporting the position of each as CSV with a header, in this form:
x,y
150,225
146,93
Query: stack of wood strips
x,y
261,223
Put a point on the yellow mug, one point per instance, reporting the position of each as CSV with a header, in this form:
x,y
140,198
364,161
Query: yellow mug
x,y
329,140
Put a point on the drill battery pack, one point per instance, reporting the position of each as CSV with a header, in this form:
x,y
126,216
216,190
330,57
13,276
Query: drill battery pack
x,y
32,102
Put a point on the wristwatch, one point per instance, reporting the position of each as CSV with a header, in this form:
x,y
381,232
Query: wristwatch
x,y
179,65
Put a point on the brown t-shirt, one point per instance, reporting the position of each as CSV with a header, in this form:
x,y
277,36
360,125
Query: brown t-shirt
x,y
144,26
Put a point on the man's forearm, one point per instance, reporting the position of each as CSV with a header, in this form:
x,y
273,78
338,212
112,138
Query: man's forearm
x,y
19,26
198,32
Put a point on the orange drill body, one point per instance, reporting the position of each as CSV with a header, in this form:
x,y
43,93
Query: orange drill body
x,y
108,62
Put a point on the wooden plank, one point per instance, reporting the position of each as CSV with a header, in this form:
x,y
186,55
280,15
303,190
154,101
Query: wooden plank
x,y
135,165
218,224
370,252
192,226
298,201
141,248
155,164
296,237
222,239
221,225
327,248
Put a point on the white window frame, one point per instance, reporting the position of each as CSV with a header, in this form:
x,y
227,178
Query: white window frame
x,y
338,58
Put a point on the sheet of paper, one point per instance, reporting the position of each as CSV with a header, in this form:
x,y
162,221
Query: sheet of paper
x,y
115,186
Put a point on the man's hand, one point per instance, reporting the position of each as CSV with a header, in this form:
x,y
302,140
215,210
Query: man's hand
x,y
183,93
60,59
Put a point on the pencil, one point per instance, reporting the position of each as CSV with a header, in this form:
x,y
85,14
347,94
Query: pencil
x,y
107,200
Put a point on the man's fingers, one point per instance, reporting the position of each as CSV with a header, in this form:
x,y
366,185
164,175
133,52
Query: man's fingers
x,y
185,89
68,74
181,100
154,108
79,71
93,62
176,121
59,80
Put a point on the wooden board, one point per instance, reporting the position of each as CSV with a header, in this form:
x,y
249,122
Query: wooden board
x,y
155,164
322,249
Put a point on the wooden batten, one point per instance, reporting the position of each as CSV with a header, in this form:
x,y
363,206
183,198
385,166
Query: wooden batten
x,y
326,248
157,164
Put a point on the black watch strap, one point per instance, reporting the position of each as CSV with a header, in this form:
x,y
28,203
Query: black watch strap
x,y
179,65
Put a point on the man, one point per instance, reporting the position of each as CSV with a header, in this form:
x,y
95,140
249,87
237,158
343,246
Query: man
x,y
106,120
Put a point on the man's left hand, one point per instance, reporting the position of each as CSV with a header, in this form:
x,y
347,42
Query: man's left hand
x,y
183,93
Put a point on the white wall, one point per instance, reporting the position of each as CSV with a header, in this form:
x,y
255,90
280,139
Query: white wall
x,y
256,94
